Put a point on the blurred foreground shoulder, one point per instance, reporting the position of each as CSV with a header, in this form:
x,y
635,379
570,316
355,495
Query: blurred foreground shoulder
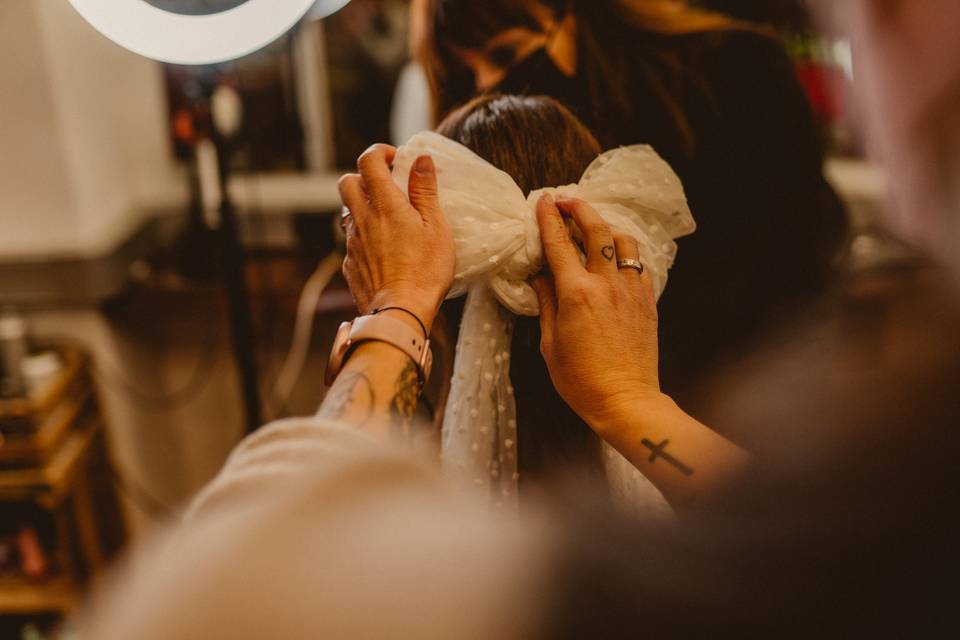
x,y
290,453
313,530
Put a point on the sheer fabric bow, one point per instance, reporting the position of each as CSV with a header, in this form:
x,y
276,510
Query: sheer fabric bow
x,y
498,250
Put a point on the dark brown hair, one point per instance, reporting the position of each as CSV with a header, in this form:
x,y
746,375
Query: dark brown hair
x,y
540,144
533,138
604,27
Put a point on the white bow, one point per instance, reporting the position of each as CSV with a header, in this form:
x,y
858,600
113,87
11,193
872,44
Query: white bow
x,y
498,249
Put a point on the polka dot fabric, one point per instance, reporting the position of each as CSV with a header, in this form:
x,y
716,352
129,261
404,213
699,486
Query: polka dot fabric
x,y
498,250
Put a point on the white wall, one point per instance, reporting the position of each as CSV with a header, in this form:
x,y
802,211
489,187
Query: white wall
x,y
34,190
83,148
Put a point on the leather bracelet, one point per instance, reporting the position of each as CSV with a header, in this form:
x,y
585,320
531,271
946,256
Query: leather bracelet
x,y
426,334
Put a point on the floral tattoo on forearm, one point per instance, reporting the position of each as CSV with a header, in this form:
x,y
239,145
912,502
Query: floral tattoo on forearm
x,y
403,406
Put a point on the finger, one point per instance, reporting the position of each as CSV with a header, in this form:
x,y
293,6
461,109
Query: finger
x,y
347,223
641,283
354,195
356,276
597,236
353,242
422,187
561,255
375,168
348,269
547,295
628,249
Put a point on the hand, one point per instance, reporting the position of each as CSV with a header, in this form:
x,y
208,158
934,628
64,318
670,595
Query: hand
x,y
399,252
598,323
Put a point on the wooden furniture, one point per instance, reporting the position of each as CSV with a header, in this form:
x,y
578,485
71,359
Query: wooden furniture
x,y
56,493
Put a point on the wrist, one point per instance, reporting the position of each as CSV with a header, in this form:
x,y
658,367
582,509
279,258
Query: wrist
x,y
631,408
406,315
406,336
401,308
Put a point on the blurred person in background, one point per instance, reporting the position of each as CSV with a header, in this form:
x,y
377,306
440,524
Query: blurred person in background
x,y
718,99
365,50
848,527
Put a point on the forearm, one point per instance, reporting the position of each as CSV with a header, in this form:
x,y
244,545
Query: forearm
x,y
688,462
377,392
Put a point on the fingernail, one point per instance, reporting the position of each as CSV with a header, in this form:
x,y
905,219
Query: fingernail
x,y
546,199
423,166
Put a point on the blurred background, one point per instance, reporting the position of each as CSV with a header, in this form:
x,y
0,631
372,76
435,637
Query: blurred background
x,y
130,365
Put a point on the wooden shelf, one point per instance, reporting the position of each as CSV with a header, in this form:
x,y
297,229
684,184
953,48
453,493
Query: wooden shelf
x,y
51,482
46,398
55,480
56,595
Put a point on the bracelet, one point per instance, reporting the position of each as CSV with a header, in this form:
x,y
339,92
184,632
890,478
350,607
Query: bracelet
x,y
408,312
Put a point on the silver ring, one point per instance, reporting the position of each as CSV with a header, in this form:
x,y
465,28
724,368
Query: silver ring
x,y
630,263
344,214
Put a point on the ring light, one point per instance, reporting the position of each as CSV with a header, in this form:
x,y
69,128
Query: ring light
x,y
195,39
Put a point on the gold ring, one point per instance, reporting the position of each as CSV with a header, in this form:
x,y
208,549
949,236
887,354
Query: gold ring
x,y
630,263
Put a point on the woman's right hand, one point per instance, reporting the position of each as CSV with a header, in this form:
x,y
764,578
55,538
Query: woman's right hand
x,y
598,322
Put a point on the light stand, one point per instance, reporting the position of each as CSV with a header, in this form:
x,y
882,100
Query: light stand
x,y
233,271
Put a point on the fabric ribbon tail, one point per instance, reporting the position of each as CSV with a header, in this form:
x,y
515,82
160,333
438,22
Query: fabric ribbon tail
x,y
479,434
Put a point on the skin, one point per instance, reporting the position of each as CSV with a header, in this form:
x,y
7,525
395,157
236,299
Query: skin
x,y
399,251
399,254
599,328
599,340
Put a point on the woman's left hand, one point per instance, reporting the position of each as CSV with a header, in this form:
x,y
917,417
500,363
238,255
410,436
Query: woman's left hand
x,y
400,252
598,321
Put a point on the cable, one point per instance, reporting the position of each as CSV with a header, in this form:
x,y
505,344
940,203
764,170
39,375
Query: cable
x,y
138,496
134,491
196,383
164,402
328,268
110,377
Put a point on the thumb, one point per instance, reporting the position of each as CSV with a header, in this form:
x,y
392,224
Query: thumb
x,y
423,187
547,295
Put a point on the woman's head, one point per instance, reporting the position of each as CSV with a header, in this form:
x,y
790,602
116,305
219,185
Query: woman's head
x,y
535,139
540,144
470,47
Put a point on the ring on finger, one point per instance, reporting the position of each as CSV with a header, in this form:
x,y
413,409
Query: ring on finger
x,y
630,263
344,214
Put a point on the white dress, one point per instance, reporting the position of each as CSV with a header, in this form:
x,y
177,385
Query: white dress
x,y
498,249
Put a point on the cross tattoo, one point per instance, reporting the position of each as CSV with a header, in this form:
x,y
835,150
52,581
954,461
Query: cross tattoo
x,y
659,451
